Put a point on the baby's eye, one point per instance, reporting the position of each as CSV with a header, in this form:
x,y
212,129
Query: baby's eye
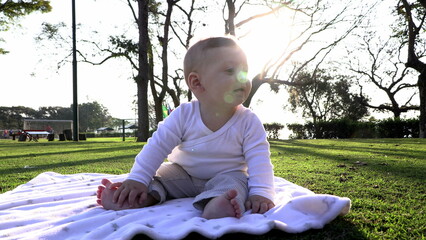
x,y
230,70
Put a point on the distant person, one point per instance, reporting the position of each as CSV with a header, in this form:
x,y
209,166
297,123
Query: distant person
x,y
49,129
216,148
12,134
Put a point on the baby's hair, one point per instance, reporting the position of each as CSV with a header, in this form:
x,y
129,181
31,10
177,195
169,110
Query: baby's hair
x,y
196,53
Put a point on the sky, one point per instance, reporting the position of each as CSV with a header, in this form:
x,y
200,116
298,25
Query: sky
x,y
29,75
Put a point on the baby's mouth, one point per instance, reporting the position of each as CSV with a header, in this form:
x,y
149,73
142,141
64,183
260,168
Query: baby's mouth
x,y
239,90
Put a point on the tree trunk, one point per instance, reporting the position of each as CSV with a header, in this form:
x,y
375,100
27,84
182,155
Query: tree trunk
x,y
422,92
396,114
229,23
142,77
143,119
414,62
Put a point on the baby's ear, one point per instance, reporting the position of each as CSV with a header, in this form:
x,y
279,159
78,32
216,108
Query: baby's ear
x,y
194,82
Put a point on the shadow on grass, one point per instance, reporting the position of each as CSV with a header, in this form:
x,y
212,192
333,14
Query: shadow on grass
x,y
51,166
392,149
68,151
409,170
339,229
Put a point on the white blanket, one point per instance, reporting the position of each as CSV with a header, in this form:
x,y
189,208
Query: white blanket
x,y
54,206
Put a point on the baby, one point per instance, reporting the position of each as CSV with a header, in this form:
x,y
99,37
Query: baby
x,y
216,148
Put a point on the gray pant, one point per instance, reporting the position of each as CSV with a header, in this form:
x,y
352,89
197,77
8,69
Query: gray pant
x,y
172,181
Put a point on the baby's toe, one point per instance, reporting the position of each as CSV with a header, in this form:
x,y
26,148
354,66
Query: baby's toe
x,y
106,182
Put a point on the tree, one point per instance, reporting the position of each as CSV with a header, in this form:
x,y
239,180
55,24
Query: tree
x,y
327,97
414,14
164,42
183,30
386,72
11,11
92,116
55,113
163,39
142,79
13,117
184,36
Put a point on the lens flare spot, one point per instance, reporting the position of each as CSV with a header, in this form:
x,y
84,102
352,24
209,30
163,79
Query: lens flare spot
x,y
229,98
242,77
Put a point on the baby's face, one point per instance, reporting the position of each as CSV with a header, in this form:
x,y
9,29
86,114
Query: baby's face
x,y
224,76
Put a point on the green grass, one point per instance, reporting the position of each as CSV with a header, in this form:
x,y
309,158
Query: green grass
x,y
384,178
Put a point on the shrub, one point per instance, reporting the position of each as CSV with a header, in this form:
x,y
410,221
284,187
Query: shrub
x,y
390,128
364,130
398,128
272,129
299,131
345,128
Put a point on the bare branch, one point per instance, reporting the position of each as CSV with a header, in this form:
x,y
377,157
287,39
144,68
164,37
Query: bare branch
x,y
412,61
133,11
259,16
190,31
111,55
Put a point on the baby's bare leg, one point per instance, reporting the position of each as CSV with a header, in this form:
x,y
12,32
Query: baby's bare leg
x,y
225,205
105,195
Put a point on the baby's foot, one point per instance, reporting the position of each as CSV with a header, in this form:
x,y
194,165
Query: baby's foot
x,y
225,205
105,195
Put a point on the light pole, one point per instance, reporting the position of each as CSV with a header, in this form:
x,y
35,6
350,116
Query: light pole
x,y
74,76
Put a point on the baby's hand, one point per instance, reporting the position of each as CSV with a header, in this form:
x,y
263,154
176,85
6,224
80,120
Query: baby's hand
x,y
259,204
131,190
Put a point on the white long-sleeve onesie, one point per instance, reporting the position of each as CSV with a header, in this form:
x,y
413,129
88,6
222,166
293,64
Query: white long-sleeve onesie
x,y
240,145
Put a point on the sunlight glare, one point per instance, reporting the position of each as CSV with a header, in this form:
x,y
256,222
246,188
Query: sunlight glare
x,y
265,40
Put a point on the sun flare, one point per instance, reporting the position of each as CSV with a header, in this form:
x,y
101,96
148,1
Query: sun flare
x,y
265,40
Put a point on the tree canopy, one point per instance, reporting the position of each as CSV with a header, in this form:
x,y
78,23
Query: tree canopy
x,y
325,97
11,11
93,115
